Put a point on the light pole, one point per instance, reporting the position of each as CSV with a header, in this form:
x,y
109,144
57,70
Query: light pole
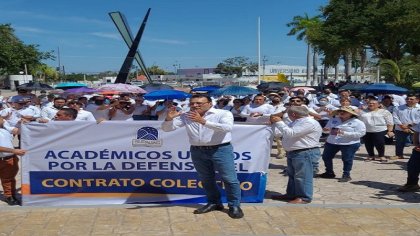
x,y
264,60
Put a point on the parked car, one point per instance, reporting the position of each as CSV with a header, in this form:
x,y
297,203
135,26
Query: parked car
x,y
171,83
189,83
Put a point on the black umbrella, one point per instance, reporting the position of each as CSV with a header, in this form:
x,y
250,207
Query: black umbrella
x,y
155,86
272,86
35,86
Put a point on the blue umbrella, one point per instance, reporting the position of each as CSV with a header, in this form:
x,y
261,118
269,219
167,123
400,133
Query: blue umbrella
x,y
206,88
383,88
69,85
234,90
166,94
354,87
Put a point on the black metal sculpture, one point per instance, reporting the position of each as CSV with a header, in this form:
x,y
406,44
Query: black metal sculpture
x,y
120,23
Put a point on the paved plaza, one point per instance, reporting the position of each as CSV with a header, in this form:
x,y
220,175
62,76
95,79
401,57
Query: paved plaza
x,y
367,205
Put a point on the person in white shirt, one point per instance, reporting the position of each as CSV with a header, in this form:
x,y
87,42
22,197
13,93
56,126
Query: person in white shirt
x,y
99,109
278,107
238,106
378,123
141,109
398,100
17,114
258,111
9,165
48,101
82,115
276,102
284,96
223,103
299,101
301,142
121,110
345,133
386,103
209,131
330,95
324,109
346,94
405,117
162,110
48,113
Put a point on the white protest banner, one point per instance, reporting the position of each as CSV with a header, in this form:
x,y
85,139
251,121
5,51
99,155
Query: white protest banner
x,y
116,162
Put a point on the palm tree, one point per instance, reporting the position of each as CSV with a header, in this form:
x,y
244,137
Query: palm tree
x,y
394,69
303,27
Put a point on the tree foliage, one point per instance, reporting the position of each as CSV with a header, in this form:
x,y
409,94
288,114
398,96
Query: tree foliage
x,y
81,77
389,29
236,66
14,54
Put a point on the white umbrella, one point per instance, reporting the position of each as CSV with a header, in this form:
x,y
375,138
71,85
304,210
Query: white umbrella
x,y
122,88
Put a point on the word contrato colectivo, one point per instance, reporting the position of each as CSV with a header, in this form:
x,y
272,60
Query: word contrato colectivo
x,y
125,182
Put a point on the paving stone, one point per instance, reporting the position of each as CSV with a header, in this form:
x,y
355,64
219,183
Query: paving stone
x,y
367,205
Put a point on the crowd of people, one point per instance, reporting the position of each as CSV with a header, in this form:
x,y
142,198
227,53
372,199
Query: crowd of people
x,y
300,120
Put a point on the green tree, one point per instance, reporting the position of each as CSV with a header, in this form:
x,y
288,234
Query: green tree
x,y
14,54
153,70
404,72
305,28
389,29
236,66
45,73
80,77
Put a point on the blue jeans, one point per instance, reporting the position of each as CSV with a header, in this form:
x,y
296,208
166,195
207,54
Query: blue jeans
x,y
206,162
400,141
413,168
347,156
300,170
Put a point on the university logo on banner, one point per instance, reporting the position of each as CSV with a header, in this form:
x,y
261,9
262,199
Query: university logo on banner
x,y
147,137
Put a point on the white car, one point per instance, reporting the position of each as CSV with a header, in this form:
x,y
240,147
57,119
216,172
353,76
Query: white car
x,y
189,83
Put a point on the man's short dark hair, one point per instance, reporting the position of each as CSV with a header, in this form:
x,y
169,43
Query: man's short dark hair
x,y
59,98
388,97
296,97
70,112
75,102
201,96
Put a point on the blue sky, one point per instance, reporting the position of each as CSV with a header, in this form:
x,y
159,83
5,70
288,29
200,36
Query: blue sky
x,y
191,33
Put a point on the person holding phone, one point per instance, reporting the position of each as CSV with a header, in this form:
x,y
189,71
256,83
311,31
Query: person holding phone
x,y
345,133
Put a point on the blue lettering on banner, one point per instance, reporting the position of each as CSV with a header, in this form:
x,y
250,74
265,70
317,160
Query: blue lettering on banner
x,y
47,182
127,155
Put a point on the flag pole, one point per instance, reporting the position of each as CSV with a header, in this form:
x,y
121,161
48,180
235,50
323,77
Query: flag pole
x,y
259,51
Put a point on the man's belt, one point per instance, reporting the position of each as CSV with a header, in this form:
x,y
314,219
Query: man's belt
x,y
302,150
6,158
212,146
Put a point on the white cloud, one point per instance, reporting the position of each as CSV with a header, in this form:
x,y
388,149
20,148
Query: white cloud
x,y
106,35
34,15
24,29
166,41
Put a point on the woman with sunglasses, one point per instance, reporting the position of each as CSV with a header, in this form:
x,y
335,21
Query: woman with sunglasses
x,y
345,133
